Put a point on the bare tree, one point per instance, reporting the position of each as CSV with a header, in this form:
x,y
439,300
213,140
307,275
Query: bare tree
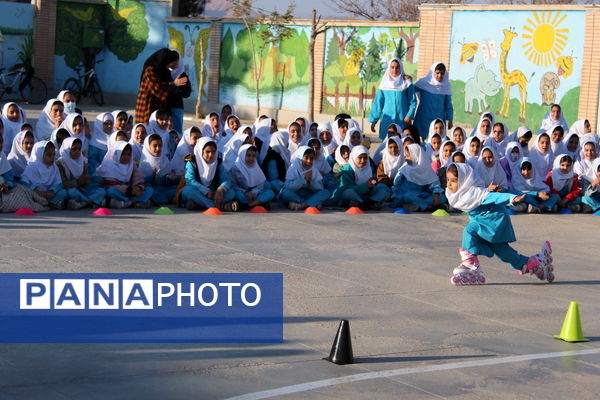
x,y
272,31
317,29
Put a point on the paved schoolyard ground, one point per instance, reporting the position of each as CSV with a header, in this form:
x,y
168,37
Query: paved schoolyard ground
x,y
414,335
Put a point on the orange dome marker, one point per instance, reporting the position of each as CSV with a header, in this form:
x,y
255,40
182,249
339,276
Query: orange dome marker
x,y
354,210
312,210
212,211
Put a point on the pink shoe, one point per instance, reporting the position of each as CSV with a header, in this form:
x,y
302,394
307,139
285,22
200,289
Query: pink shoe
x,y
469,260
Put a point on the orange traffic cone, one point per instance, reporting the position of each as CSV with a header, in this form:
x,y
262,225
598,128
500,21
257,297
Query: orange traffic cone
x,y
259,210
312,210
212,211
354,210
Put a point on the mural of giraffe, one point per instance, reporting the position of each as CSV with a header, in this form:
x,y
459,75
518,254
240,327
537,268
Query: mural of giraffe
x,y
509,79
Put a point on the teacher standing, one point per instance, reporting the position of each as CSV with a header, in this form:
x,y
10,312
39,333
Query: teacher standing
x,y
395,101
156,83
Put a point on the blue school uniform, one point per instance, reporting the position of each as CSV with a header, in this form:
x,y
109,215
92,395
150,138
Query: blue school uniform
x,y
431,107
489,231
81,193
95,157
407,192
392,106
591,198
299,190
196,192
348,190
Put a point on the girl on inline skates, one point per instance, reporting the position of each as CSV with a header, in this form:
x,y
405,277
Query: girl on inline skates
x,y
489,230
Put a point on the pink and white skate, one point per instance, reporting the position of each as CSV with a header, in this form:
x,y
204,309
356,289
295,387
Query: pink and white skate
x,y
540,264
462,276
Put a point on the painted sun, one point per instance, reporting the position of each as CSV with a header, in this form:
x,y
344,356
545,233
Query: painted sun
x,y
545,39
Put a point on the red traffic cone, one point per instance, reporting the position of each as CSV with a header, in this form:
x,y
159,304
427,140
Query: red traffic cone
x,y
25,212
259,210
103,212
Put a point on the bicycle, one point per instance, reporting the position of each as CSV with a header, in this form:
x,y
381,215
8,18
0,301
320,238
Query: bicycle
x,y
32,89
85,84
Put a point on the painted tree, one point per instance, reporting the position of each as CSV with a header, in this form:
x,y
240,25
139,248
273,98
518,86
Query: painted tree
x,y
333,55
200,55
226,51
265,29
343,37
317,28
372,69
409,36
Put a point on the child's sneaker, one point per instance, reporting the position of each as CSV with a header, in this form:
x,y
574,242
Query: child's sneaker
x,y
75,205
540,264
114,203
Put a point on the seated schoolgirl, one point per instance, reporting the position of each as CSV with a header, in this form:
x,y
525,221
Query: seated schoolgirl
x,y
541,155
20,152
185,147
557,134
303,183
554,117
458,137
483,129
277,161
416,186
103,127
138,134
471,150
458,157
587,155
42,176
358,187
321,165
120,117
590,182
75,177
226,111
295,139
354,137
538,197
446,150
340,129
327,142
523,136
248,181
488,169
263,128
212,127
50,118
391,161
74,124
511,161
581,127
58,136
123,183
393,130
499,138
207,182
13,117
244,135
564,183
6,173
571,142
157,171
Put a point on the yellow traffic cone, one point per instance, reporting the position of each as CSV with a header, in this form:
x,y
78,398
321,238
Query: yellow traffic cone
x,y
571,330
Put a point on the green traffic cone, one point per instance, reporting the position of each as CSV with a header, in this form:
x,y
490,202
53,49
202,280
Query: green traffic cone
x,y
571,330
440,213
163,211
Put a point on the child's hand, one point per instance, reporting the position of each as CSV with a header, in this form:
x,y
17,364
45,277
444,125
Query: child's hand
x,y
210,194
4,188
371,183
407,121
172,176
595,183
373,124
308,175
250,196
543,195
518,199
137,191
561,202
219,197
436,200
83,180
492,187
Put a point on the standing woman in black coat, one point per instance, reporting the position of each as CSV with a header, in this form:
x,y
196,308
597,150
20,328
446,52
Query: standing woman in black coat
x,y
176,96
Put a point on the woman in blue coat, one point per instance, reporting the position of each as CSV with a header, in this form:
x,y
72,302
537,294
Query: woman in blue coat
x,y
435,99
395,101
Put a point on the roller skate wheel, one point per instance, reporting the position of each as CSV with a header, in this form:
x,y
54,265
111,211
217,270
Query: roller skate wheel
x,y
550,277
481,279
455,281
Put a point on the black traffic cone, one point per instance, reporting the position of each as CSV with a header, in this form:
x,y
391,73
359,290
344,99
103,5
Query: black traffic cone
x,y
341,351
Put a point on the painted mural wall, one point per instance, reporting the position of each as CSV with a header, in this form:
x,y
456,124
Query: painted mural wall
x,y
134,29
283,69
515,64
16,25
355,60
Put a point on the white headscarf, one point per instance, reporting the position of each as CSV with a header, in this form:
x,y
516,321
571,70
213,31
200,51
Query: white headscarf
x,y
431,131
419,172
458,147
483,116
548,122
574,154
390,83
329,149
18,157
263,132
183,148
513,165
150,163
470,158
557,147
491,175
335,131
4,164
178,70
500,146
583,164
559,180
231,149
338,156
578,128
542,162
252,173
361,175
11,129
68,125
154,128
478,132
432,85
320,162
207,130
136,148
99,137
518,135
534,184
45,124
391,163
591,174
447,161
348,139
206,171
37,172
470,194
297,171
112,167
221,113
115,115
75,167
279,144
293,146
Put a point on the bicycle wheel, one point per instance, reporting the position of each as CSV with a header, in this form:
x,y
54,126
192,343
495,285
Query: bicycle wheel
x,y
72,85
97,91
2,88
35,92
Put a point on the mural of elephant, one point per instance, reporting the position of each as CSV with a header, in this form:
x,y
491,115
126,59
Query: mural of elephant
x,y
482,84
